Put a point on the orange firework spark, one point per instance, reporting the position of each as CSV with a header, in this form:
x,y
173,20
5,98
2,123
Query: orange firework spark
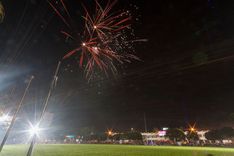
x,y
104,23
101,44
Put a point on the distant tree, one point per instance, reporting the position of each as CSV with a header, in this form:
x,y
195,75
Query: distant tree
x,y
101,136
95,136
118,136
213,135
175,134
192,136
86,133
220,134
133,135
226,133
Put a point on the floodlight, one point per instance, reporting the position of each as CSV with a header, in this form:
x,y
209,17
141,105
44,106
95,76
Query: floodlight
x,y
34,130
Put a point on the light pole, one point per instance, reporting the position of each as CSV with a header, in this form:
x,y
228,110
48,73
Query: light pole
x,y
52,86
15,114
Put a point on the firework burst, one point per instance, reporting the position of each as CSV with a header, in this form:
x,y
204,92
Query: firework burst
x,y
103,43
104,23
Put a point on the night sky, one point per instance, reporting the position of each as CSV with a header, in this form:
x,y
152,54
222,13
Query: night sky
x,y
185,76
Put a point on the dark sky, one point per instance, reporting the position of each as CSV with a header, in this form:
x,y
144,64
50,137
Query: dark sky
x,y
186,75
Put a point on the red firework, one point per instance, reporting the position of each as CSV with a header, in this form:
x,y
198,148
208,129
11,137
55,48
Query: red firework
x,y
102,29
104,23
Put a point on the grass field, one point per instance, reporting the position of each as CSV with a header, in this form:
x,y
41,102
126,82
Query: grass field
x,y
115,150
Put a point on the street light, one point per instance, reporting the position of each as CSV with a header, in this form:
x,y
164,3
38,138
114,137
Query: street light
x,y
109,132
192,128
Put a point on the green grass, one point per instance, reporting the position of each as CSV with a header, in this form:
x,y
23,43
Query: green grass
x,y
115,150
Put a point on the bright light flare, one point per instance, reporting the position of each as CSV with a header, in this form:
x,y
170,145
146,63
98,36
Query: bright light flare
x,y
34,130
192,128
5,119
109,132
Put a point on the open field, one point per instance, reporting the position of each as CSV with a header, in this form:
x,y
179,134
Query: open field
x,y
115,150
